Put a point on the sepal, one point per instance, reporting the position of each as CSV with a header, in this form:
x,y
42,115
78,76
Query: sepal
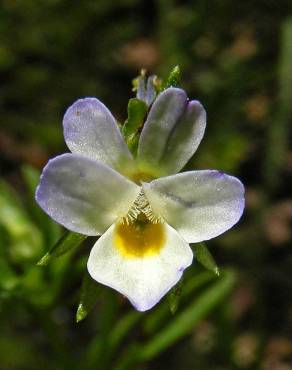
x,y
137,110
203,255
90,291
174,297
174,78
67,242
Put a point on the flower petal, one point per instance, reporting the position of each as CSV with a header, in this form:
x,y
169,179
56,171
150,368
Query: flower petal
x,y
84,195
143,280
91,130
198,204
163,116
185,138
172,132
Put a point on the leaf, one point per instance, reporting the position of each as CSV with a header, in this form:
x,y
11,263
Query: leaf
x,y
123,327
89,292
203,255
185,322
285,68
31,177
157,317
174,297
279,129
25,239
67,242
9,279
174,78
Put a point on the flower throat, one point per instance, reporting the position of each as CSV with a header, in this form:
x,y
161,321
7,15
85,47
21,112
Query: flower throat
x,y
141,211
140,233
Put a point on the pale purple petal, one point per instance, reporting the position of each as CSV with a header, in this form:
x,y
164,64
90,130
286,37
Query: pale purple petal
x,y
91,130
200,205
84,195
185,138
162,118
172,133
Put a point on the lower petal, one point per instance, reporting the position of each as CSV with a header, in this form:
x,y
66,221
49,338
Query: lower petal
x,y
143,264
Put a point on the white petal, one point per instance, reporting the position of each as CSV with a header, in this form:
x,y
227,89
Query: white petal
x,y
85,196
91,130
144,280
185,138
172,133
198,204
162,118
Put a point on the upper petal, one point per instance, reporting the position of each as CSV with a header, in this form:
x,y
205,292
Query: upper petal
x,y
198,204
172,132
84,195
91,130
144,280
185,138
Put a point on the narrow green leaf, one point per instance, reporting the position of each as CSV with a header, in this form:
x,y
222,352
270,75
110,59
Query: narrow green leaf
x,y
67,242
285,68
203,255
129,357
31,177
89,293
9,279
26,241
123,327
185,322
174,297
174,78
156,318
279,128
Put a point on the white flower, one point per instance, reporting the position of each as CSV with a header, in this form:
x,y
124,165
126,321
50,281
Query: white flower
x,y
145,213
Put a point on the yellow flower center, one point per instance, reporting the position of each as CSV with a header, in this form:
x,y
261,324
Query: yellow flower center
x,y
139,239
140,233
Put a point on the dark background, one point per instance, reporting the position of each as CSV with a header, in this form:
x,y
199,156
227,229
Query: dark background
x,y
236,58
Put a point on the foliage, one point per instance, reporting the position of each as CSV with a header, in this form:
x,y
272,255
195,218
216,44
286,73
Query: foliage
x,y
235,59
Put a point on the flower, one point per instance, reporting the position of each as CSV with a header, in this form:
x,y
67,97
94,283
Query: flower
x,y
146,213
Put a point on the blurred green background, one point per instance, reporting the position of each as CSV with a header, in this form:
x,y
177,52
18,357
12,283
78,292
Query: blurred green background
x,y
236,58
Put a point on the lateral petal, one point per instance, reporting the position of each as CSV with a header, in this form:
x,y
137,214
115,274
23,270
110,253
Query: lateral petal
x,y
84,195
200,205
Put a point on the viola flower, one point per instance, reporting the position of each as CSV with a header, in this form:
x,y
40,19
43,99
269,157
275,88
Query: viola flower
x,y
146,213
